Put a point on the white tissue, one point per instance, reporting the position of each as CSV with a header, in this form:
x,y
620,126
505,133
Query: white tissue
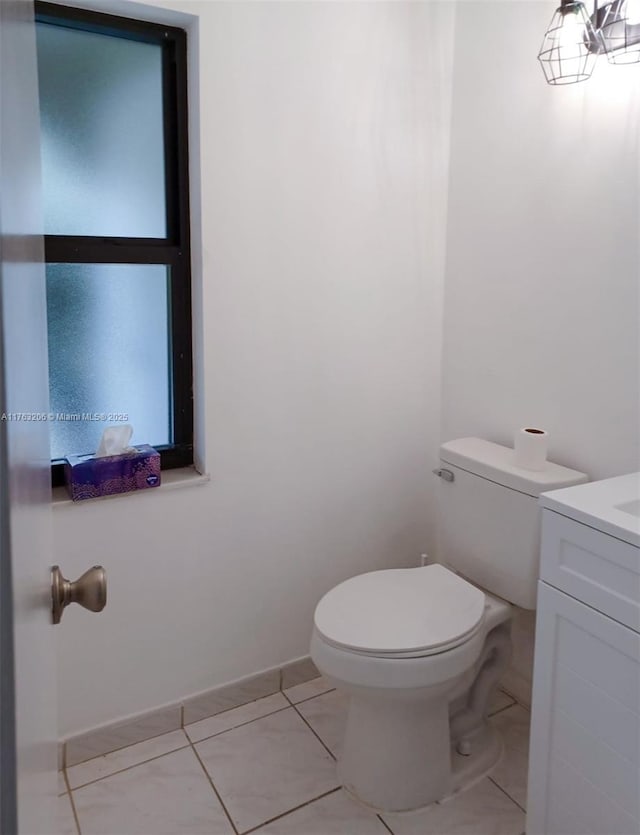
x,y
115,441
530,448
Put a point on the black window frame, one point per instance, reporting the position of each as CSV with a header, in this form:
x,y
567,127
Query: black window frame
x,y
174,250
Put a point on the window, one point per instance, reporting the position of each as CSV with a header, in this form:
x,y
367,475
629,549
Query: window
x,y
113,108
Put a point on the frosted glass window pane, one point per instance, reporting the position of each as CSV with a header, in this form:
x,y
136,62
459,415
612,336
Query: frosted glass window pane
x,y
102,134
108,353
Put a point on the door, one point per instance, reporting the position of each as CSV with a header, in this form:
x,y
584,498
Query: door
x,y
27,665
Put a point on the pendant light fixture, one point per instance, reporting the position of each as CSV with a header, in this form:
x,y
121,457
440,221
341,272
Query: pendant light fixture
x,y
620,30
574,39
567,54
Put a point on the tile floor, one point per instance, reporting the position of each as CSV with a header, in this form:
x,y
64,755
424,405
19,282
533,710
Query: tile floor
x,y
269,767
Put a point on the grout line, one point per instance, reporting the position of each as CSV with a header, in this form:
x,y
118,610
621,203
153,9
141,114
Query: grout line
x,y
257,719
227,709
71,800
308,699
215,791
233,727
504,791
65,781
313,731
500,710
122,747
516,700
289,811
129,767
288,699
384,823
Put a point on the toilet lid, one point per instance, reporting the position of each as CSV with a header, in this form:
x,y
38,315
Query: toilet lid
x,y
399,611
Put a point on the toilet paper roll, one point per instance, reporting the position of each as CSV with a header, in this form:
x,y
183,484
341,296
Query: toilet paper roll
x,y
530,448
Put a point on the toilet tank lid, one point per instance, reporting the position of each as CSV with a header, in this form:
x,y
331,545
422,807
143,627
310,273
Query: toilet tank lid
x,y
495,463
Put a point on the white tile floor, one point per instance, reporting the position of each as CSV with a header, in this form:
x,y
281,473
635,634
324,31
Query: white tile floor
x,y
269,767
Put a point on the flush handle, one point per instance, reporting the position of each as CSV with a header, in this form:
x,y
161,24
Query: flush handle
x,y
446,475
90,591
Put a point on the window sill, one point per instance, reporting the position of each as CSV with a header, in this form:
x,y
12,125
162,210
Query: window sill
x,y
171,480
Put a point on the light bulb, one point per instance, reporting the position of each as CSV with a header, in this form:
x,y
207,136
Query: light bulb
x,y
571,36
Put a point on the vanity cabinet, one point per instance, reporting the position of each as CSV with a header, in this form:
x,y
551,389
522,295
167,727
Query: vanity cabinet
x,y
584,765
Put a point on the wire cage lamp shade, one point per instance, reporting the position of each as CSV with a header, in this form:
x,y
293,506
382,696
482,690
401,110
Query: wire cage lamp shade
x,y
570,46
619,27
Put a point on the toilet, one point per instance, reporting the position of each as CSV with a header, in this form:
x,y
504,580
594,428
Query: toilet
x,y
420,651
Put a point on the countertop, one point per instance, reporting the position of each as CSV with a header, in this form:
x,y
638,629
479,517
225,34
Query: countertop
x,y
611,505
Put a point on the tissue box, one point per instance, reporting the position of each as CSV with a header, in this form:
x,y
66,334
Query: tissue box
x,y
87,477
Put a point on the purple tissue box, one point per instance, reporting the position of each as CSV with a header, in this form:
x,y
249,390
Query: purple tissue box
x,y
87,477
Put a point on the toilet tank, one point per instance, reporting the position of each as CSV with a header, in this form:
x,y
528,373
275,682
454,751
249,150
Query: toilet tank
x,y
490,519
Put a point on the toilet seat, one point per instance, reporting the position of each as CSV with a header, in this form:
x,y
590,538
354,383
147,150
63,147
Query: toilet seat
x,y
401,613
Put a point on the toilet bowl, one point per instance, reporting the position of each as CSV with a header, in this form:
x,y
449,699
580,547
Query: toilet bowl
x,y
402,644
419,651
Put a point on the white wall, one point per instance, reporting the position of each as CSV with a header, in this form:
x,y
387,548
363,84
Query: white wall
x,y
541,302
324,139
323,169
542,314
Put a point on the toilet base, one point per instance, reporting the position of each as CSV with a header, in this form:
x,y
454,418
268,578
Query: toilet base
x,y
397,754
406,749
466,770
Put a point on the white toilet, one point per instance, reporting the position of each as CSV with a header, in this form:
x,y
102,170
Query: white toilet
x,y
420,650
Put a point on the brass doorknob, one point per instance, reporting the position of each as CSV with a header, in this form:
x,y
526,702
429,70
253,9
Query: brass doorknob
x,y
89,591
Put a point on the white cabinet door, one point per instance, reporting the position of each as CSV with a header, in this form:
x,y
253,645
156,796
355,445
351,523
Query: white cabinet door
x,y
584,767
